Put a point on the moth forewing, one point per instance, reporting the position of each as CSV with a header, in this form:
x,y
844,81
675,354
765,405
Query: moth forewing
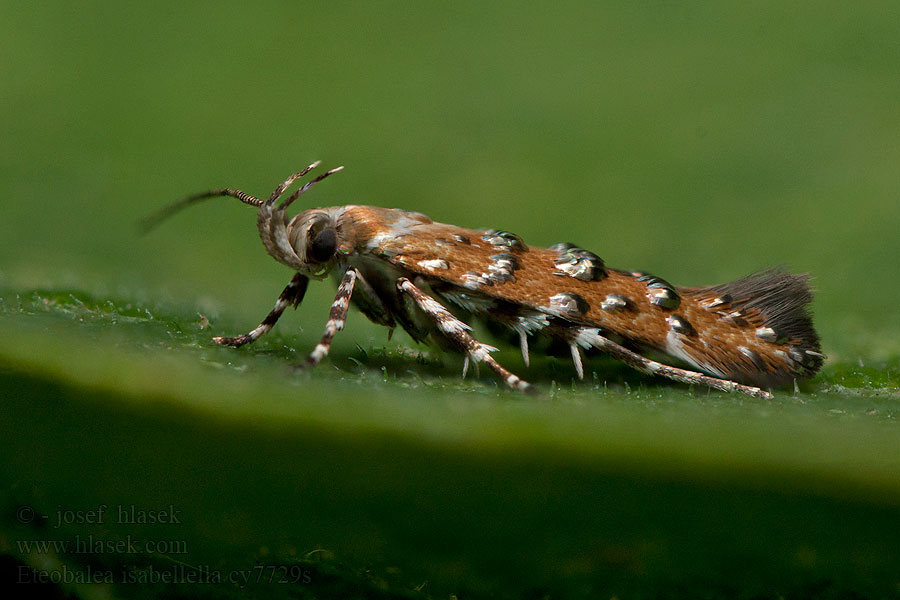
x,y
401,268
755,330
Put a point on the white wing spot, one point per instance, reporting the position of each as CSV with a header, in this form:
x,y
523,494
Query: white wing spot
x,y
434,264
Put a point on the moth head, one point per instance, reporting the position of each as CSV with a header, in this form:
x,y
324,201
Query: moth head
x,y
308,243
314,237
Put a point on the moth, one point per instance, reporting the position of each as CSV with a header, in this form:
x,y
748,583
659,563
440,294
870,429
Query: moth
x,y
399,267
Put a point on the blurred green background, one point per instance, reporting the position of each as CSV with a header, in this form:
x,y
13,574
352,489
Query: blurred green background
x,y
699,141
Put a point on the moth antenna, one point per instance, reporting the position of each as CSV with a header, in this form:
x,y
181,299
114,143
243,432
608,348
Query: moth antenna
x,y
151,222
300,191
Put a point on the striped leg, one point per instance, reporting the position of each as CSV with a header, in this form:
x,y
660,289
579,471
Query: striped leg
x,y
591,337
292,294
336,317
458,331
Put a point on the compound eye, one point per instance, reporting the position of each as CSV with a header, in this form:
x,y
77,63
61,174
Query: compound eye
x,y
323,246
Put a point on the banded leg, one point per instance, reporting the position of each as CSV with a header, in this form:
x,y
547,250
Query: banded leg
x,y
291,295
336,317
591,337
458,331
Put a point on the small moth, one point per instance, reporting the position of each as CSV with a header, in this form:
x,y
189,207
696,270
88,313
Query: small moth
x,y
401,268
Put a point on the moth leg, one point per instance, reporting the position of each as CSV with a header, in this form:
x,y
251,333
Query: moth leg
x,y
465,369
592,337
291,295
576,358
458,331
336,317
523,346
